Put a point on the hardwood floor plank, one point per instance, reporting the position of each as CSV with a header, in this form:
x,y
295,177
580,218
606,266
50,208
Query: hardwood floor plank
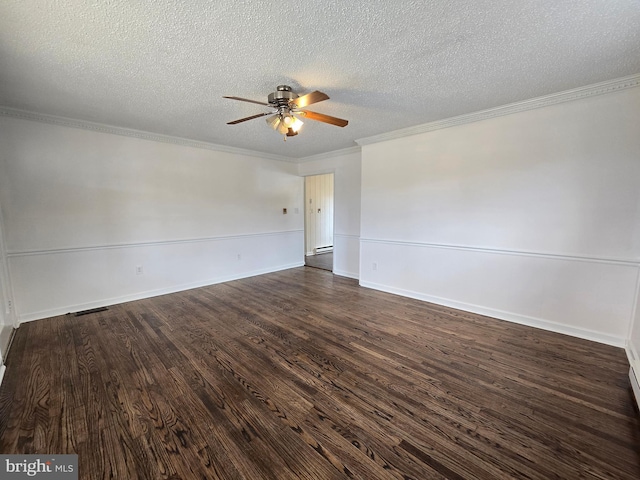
x,y
303,374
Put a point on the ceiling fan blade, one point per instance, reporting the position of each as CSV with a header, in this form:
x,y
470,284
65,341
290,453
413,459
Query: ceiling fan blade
x,y
309,98
248,118
320,117
247,100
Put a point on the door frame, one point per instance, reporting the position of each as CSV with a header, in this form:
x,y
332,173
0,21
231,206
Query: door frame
x,y
8,319
333,219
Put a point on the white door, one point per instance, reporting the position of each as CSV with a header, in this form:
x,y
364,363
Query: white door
x,y
318,213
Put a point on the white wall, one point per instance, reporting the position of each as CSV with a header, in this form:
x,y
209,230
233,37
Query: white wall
x,y
530,217
83,209
346,166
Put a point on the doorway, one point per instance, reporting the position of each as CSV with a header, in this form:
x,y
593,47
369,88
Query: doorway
x,y
318,221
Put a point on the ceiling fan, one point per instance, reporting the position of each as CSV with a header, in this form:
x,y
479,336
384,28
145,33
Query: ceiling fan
x,y
286,108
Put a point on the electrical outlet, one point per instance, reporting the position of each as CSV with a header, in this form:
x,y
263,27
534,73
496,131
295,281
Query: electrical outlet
x,y
296,211
139,270
374,266
284,211
239,257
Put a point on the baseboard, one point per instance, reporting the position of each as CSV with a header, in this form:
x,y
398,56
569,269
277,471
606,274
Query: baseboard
x,y
635,385
148,294
632,354
6,335
502,315
343,273
634,371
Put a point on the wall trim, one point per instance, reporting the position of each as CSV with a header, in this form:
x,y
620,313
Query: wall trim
x,y
332,154
129,132
601,88
322,171
346,235
500,251
503,315
634,312
10,331
609,86
633,356
634,380
2,370
26,253
344,273
151,293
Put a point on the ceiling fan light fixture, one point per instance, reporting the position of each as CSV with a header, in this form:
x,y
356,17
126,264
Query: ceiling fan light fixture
x,y
285,111
297,124
282,128
273,121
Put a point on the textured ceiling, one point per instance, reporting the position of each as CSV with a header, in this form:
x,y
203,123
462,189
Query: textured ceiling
x,y
163,66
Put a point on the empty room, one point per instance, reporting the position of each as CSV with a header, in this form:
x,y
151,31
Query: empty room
x,y
320,240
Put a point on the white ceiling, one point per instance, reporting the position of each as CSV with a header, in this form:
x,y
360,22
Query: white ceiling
x,y
163,66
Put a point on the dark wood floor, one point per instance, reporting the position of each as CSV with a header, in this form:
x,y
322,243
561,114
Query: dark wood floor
x,y
303,374
323,261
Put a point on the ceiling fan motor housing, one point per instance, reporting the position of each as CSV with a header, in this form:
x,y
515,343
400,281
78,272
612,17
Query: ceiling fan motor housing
x,y
282,96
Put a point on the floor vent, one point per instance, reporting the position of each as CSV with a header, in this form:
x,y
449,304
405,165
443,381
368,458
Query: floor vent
x,y
91,310
326,249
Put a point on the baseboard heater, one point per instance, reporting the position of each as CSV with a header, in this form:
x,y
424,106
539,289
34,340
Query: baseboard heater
x,y
328,248
634,385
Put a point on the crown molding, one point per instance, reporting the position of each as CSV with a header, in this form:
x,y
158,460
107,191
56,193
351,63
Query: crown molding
x,y
332,154
623,83
128,132
609,86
